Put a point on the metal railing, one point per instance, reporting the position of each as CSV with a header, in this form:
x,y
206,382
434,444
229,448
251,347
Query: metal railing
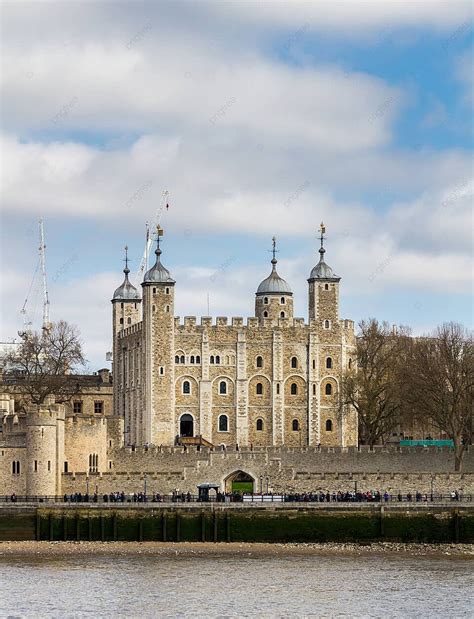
x,y
183,498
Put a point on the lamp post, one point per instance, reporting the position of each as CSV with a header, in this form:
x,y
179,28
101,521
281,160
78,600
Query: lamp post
x,y
144,486
87,486
261,484
432,482
267,479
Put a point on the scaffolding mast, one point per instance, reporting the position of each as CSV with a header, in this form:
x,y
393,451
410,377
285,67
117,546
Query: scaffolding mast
x,y
42,248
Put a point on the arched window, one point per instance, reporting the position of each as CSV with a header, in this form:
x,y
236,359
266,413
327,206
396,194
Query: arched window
x,y
350,363
218,359
328,425
314,389
121,321
295,426
176,359
191,359
328,363
326,286
227,360
223,387
265,314
265,300
259,425
327,324
181,359
167,290
328,389
259,389
129,321
282,314
186,387
198,359
278,388
282,300
223,423
260,362
294,389
294,362
211,360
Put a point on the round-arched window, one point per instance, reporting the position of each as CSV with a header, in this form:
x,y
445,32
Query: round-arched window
x,y
328,389
329,363
223,387
259,425
259,362
294,389
186,387
223,423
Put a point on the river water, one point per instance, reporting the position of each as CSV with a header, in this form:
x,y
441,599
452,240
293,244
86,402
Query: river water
x,y
236,586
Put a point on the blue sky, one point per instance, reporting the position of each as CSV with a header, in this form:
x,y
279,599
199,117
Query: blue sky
x,y
260,118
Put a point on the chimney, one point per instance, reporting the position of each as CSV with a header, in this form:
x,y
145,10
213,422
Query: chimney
x,y
104,374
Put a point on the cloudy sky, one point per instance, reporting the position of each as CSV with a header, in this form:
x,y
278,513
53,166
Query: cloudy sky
x,y
260,119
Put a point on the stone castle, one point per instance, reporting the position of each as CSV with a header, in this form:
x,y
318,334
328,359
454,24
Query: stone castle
x,y
272,381
228,403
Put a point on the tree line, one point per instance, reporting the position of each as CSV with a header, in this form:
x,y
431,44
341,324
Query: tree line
x,y
400,380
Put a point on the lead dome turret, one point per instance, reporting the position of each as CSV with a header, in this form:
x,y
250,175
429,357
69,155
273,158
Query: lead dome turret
x,y
158,274
126,291
274,298
323,271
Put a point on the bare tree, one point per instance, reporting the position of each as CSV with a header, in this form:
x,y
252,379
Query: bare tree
x,y
439,383
372,388
45,363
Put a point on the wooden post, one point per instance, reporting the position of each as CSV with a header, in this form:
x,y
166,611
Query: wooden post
x,y
178,527
214,522
102,528
227,527
65,528
51,529
140,529
203,527
163,526
456,519
382,523
38,527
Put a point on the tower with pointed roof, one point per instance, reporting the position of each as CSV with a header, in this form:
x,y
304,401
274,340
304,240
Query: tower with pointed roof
x,y
126,311
274,298
323,297
157,424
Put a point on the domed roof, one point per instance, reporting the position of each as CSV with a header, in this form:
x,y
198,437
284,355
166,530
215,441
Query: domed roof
x,y
323,270
274,284
158,274
127,291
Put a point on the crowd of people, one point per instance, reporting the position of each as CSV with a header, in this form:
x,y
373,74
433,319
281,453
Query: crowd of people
x,y
351,496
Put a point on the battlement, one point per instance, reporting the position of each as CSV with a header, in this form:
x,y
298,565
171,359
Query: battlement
x,y
136,328
190,323
45,415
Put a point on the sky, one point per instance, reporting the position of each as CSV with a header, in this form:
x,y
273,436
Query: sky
x,y
260,119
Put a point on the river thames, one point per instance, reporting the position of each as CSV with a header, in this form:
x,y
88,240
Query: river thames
x,y
245,584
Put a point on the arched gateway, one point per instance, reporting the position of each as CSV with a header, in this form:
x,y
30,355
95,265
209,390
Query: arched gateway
x,y
239,481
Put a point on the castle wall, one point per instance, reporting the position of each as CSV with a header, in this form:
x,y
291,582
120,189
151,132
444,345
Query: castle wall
x,y
290,470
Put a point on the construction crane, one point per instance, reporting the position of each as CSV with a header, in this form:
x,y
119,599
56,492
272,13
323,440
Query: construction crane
x,y
42,248
164,202
26,312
